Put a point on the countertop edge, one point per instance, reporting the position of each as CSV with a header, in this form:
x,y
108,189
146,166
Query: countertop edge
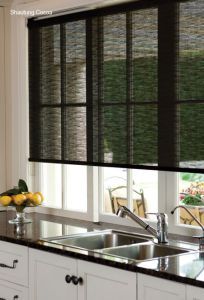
x,y
132,267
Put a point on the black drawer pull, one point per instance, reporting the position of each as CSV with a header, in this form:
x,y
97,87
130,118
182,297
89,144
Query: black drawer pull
x,y
76,280
68,278
10,267
2,299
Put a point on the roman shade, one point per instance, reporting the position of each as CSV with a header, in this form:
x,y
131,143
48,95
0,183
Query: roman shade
x,y
119,86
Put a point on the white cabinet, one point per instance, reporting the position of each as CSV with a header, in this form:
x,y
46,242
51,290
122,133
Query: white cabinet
x,y
47,276
10,291
194,293
101,282
13,271
48,273
14,263
159,289
53,276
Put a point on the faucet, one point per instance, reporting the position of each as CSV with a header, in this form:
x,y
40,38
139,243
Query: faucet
x,y
201,238
160,233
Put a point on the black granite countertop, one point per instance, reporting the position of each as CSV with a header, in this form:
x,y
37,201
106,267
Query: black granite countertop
x,y
185,268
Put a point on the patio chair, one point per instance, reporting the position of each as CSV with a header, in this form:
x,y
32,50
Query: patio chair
x,y
118,198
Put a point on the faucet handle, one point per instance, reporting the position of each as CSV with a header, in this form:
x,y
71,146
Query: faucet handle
x,y
162,227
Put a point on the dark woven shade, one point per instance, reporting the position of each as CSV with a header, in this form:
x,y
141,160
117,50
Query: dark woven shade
x,y
119,86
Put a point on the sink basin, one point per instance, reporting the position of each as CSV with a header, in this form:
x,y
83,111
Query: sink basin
x,y
99,240
144,251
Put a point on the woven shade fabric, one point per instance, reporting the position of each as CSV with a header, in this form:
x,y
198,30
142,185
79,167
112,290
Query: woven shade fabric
x,y
119,86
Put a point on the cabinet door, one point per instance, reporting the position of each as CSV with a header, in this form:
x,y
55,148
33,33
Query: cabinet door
x,y
159,289
10,291
101,282
47,273
14,263
194,293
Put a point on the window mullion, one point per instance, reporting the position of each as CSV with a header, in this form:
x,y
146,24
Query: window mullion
x,y
129,189
64,186
101,190
167,84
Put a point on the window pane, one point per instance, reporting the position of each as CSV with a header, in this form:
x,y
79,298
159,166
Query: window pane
x,y
75,77
115,188
145,182
144,190
191,194
114,58
51,179
145,53
145,134
75,187
115,134
191,54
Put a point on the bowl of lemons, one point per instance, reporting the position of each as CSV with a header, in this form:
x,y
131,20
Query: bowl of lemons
x,y
20,198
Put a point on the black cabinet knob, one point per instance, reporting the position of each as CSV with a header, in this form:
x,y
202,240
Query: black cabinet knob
x,y
76,280
68,278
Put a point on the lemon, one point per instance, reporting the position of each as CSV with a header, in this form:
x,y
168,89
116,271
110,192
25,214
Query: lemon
x,y
19,199
28,195
5,200
36,199
41,195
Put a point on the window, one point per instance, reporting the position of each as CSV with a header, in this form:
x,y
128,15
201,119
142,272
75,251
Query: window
x,y
191,194
110,87
137,189
63,186
160,189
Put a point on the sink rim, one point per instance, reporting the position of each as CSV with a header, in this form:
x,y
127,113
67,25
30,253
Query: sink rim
x,y
55,239
185,251
98,232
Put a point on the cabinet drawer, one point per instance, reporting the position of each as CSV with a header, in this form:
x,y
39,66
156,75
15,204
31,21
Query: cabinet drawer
x,y
10,291
14,263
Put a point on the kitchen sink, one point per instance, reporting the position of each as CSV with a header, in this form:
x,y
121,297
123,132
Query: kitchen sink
x,y
99,240
121,244
144,251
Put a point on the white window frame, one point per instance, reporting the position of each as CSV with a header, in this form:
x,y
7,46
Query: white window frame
x,y
92,193
16,94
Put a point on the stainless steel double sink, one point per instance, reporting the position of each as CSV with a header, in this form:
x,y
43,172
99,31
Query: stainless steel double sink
x,y
120,244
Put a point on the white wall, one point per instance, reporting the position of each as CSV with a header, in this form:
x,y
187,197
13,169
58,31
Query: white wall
x,y
2,105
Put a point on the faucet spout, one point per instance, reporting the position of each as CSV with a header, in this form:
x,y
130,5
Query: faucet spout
x,y
124,211
189,212
200,238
